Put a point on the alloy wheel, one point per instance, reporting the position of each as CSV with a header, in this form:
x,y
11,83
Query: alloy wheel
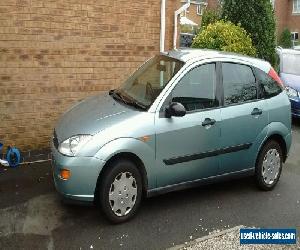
x,y
123,193
271,166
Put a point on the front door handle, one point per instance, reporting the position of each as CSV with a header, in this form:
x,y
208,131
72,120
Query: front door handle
x,y
256,112
208,122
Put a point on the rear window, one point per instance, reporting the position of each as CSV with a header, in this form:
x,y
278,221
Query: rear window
x,y
268,87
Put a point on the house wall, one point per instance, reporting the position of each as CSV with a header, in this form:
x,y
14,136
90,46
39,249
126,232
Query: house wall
x,y
285,18
281,12
213,4
56,52
192,13
293,19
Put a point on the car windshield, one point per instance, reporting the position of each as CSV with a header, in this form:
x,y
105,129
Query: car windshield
x,y
148,81
291,64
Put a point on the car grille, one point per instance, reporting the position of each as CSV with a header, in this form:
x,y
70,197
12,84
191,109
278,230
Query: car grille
x,y
55,140
296,110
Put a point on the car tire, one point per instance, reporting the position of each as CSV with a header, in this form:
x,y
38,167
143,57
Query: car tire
x,y
120,191
269,166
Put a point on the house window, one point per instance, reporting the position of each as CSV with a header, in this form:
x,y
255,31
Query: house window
x,y
296,6
199,10
295,35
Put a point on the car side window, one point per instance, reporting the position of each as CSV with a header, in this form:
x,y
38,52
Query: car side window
x,y
239,83
196,90
268,87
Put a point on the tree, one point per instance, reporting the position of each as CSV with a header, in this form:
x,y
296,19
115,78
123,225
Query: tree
x,y
225,36
285,40
257,18
209,17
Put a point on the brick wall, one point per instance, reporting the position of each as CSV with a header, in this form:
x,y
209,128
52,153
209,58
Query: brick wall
x,y
285,17
281,11
56,52
192,12
213,4
294,19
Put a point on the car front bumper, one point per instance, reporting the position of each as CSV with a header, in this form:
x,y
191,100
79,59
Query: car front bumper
x,y
83,179
295,106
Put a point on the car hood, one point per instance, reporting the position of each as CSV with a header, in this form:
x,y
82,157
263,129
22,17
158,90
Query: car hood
x,y
291,80
91,116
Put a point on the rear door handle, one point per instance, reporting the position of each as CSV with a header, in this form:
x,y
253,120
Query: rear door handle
x,y
208,122
256,111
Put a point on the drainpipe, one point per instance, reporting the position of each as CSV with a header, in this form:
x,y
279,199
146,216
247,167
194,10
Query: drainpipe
x,y
162,36
162,25
178,12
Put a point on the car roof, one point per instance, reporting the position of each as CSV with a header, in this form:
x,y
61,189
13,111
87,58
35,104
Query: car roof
x,y
288,51
191,55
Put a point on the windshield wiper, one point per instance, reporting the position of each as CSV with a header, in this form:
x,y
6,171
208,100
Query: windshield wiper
x,y
137,105
117,95
129,101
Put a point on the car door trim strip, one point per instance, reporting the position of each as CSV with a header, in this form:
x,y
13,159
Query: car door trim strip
x,y
193,157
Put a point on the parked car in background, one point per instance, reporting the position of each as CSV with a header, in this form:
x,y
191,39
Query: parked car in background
x,y
184,118
289,72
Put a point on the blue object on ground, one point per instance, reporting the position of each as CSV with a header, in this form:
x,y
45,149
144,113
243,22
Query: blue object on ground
x,y
13,156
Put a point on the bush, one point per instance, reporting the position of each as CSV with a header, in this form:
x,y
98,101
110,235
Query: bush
x,y
225,36
257,18
210,17
285,40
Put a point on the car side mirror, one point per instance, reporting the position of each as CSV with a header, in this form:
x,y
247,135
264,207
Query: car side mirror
x,y
175,109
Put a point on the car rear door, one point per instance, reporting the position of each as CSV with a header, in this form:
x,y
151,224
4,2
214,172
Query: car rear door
x,y
244,118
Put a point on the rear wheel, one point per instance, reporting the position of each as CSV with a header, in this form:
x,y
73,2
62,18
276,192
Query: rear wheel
x,y
269,166
121,191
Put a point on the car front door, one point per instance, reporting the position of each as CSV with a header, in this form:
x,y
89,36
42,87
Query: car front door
x,y
244,118
185,145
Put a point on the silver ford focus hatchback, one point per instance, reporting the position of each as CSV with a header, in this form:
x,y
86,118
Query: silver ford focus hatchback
x,y
184,118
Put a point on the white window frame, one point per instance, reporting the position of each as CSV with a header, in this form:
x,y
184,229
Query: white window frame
x,y
273,4
199,10
296,6
294,35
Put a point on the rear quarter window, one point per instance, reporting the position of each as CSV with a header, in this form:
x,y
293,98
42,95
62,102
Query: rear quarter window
x,y
238,83
267,86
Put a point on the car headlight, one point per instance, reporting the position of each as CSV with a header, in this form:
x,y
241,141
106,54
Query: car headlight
x,y
71,146
291,92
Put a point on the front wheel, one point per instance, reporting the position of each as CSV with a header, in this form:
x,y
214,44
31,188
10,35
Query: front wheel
x,y
269,166
121,191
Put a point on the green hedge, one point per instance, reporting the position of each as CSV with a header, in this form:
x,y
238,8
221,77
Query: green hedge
x,y
225,36
285,40
257,18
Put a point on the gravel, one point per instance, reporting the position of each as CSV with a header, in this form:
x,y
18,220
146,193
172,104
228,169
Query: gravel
x,y
228,239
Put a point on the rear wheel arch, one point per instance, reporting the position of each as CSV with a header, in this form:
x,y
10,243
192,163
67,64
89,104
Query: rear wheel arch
x,y
128,156
280,140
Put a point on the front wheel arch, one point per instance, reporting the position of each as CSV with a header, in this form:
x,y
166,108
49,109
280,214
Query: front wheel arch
x,y
124,155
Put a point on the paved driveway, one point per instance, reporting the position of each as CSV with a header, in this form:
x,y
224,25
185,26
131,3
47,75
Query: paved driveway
x,y
32,216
